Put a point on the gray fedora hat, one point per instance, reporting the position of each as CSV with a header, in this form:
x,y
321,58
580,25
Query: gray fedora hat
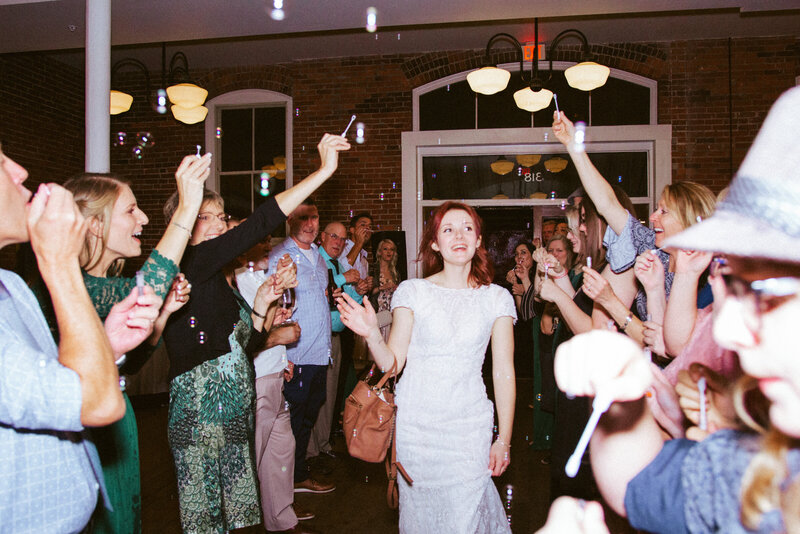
x,y
760,216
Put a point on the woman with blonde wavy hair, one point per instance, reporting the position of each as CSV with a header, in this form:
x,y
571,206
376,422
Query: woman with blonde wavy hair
x,y
115,227
733,480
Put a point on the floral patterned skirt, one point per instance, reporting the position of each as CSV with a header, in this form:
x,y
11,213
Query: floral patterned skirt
x,y
210,433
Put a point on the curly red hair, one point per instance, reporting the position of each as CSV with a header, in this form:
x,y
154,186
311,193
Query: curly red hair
x,y
482,271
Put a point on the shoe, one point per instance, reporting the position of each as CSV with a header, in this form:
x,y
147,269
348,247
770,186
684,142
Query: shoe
x,y
301,513
297,529
310,485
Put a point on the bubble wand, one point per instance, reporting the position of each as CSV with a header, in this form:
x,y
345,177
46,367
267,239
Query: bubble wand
x,y
344,133
600,405
701,386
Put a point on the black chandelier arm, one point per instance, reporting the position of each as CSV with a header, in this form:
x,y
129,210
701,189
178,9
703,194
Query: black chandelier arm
x,y
131,62
175,69
505,37
586,55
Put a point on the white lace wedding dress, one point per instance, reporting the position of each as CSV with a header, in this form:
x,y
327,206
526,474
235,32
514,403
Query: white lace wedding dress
x,y
444,418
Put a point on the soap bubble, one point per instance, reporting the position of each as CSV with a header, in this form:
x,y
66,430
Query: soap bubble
x,y
192,322
137,152
145,139
201,337
372,19
161,101
219,132
359,133
120,138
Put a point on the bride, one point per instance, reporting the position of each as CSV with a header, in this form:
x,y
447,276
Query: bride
x,y
441,327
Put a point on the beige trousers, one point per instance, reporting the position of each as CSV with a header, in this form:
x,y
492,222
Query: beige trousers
x,y
320,435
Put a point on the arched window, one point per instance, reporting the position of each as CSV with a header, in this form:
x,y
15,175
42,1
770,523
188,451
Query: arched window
x,y
449,103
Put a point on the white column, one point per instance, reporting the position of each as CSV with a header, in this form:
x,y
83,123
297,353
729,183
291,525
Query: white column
x,y
98,84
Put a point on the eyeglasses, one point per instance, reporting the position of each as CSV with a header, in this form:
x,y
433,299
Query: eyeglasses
x,y
334,236
207,216
760,296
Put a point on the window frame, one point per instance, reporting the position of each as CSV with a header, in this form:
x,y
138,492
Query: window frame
x,y
245,98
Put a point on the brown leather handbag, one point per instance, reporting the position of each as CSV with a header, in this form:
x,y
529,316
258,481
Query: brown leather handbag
x,y
368,422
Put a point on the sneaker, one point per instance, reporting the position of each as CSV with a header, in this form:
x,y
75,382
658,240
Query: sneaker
x,y
310,485
301,513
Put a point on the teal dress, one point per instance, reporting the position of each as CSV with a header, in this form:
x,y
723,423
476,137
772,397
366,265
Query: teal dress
x,y
118,444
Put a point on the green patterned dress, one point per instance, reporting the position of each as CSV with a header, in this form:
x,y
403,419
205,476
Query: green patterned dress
x,y
118,444
211,425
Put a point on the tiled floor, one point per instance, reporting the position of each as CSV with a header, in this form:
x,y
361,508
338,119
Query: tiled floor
x,y
359,503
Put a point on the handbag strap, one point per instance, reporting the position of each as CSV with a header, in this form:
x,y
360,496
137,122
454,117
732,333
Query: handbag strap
x,y
392,466
386,376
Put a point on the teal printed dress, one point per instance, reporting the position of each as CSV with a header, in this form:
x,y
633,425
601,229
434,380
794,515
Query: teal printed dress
x,y
211,425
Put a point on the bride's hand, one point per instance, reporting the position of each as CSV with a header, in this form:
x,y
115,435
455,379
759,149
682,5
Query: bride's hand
x,y
499,457
360,319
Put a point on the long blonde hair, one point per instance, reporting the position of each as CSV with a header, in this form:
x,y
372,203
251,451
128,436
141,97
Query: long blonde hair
x,y
768,470
392,263
95,195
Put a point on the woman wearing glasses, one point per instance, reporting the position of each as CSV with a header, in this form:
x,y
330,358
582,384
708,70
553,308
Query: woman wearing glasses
x,y
733,481
212,393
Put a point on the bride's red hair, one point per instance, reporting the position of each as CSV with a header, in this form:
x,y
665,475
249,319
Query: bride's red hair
x,y
482,271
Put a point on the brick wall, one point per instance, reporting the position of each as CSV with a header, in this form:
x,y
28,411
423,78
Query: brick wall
x,y
41,120
693,97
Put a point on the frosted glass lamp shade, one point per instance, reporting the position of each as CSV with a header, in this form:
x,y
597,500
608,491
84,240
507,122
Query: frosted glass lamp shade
x,y
488,80
530,100
587,75
190,115
187,95
120,102
528,160
502,166
555,164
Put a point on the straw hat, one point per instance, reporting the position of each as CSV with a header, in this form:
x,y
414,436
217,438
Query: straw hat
x,y
760,216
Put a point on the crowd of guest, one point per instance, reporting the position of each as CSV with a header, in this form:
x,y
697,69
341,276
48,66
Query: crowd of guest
x,y
682,331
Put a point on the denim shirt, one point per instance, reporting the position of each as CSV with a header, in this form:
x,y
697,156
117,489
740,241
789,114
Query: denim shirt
x,y
312,312
51,472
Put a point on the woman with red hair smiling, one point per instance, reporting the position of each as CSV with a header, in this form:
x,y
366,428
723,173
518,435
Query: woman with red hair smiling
x,y
441,327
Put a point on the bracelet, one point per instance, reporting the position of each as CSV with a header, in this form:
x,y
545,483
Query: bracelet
x,y
501,442
182,227
562,275
627,322
258,314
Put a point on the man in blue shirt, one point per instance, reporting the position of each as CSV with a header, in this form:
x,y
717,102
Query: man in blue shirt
x,y
305,392
51,474
332,239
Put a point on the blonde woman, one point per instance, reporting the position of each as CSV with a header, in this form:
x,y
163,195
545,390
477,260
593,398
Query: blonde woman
x,y
732,481
386,273
115,225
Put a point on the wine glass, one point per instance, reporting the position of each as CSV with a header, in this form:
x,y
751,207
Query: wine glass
x,y
288,301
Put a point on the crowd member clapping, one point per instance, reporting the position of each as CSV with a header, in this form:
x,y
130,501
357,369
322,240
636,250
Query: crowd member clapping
x,y
732,481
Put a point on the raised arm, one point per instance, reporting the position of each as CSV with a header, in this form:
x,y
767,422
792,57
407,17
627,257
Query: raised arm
x,y
577,321
593,182
627,438
57,230
190,176
329,148
614,294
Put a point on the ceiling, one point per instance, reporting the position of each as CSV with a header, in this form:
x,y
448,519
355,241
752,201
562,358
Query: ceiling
x,y
216,33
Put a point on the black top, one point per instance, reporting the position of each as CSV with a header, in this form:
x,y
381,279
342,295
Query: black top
x,y
199,331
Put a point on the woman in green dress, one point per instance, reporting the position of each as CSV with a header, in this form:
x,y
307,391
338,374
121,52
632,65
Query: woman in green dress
x,y
114,227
